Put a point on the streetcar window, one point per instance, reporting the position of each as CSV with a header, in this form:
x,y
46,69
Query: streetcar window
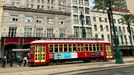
x,y
43,48
70,48
94,47
86,47
36,48
101,47
60,48
56,48
51,48
36,57
32,49
65,48
74,47
43,57
82,47
98,47
79,47
90,47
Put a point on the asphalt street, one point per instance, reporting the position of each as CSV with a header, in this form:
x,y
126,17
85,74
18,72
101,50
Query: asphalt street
x,y
113,71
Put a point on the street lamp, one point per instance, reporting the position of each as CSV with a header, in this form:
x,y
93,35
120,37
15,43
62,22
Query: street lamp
x,y
83,29
115,40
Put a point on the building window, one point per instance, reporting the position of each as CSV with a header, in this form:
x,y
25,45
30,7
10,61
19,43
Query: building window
x,y
100,19
75,19
125,39
81,9
38,6
75,9
122,39
62,2
39,20
119,28
39,32
62,9
101,27
108,37
28,19
42,1
124,29
114,20
95,27
107,28
86,2
133,37
38,1
86,10
48,1
76,31
14,18
96,36
62,32
50,33
50,20
27,32
89,32
106,20
81,2
12,32
94,19
102,36
74,1
120,21
88,20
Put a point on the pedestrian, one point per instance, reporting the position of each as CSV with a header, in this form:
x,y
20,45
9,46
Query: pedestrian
x,y
25,60
4,59
11,61
19,60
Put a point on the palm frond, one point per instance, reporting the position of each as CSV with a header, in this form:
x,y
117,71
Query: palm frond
x,y
128,18
102,4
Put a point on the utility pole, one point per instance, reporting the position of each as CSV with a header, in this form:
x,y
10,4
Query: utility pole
x,y
118,55
83,29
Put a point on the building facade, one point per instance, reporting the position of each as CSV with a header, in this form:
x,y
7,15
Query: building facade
x,y
101,29
37,19
78,7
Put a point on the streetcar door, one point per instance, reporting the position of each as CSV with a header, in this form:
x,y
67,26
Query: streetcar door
x,y
40,53
109,51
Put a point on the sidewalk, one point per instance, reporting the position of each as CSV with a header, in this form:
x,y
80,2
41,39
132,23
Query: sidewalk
x,y
125,59
64,69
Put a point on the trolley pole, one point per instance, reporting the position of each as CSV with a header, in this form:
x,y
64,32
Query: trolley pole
x,y
83,29
118,55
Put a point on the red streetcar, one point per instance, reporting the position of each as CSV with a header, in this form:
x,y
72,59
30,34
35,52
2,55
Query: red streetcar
x,y
47,51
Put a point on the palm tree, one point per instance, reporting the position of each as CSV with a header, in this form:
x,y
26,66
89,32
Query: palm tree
x,y
103,4
107,5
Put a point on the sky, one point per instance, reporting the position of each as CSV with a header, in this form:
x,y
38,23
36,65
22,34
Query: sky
x,y
91,3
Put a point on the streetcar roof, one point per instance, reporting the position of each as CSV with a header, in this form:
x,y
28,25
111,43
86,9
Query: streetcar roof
x,y
68,41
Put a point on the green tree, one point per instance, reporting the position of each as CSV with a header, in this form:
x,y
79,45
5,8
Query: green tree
x,y
107,5
103,4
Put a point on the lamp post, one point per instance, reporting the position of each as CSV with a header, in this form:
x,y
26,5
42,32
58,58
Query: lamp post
x,y
83,29
118,55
